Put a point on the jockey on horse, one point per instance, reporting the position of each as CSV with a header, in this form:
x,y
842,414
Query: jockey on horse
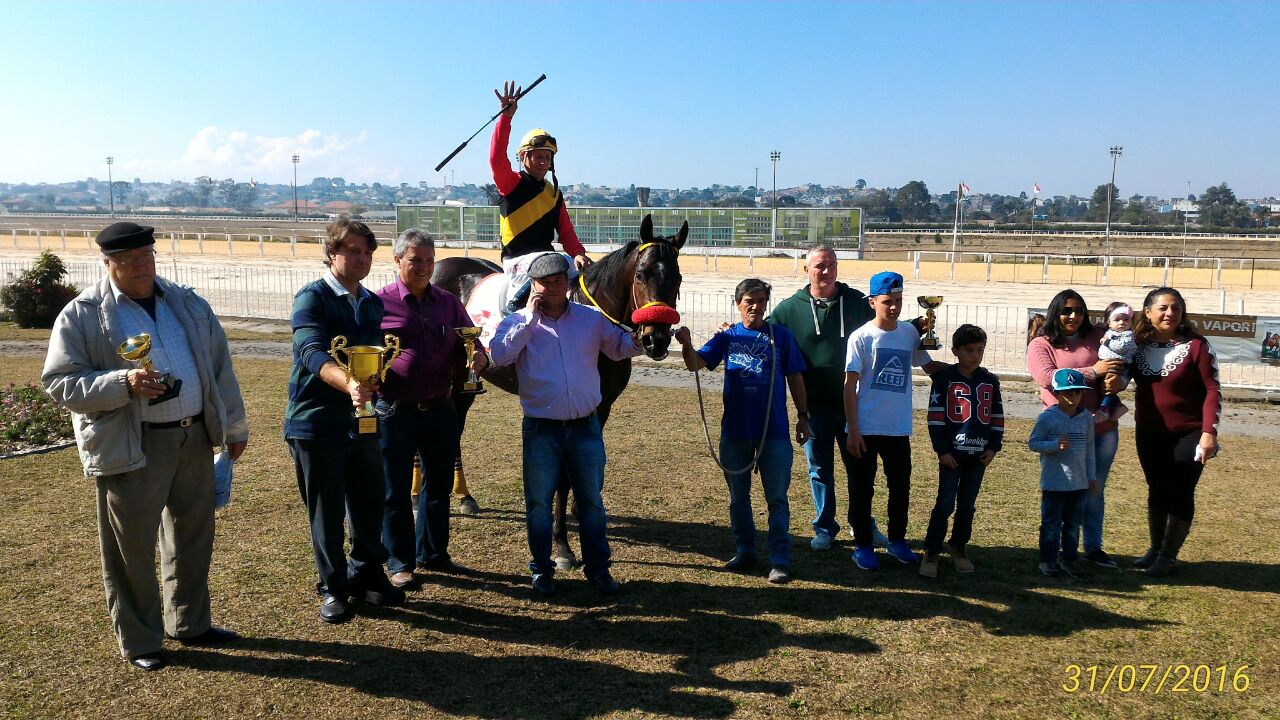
x,y
532,209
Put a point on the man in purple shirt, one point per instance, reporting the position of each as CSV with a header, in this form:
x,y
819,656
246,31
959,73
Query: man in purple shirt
x,y
554,345
418,413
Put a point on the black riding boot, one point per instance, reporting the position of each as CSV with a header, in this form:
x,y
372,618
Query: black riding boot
x,y
1156,521
1174,535
520,299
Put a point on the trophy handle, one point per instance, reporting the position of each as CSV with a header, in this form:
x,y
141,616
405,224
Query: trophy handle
x,y
339,345
393,344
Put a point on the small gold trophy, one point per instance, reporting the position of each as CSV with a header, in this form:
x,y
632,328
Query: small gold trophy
x,y
138,349
930,339
366,364
473,385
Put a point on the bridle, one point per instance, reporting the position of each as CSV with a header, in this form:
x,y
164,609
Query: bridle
x,y
582,284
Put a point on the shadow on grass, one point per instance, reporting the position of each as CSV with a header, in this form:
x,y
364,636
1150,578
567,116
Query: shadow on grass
x,y
1007,596
536,685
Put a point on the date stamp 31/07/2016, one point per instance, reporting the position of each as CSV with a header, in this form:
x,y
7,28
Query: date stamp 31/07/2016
x,y
1156,679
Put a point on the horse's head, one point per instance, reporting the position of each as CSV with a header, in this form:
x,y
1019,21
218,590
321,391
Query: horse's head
x,y
655,286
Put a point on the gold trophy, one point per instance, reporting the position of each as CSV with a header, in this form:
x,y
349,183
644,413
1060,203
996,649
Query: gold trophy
x,y
138,349
473,385
930,339
366,364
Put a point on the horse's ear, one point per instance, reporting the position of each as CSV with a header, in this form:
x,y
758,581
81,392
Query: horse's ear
x,y
646,228
682,235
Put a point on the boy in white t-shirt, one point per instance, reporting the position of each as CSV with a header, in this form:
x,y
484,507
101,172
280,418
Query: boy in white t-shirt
x,y
877,402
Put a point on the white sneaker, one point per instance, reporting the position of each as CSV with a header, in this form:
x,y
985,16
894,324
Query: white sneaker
x,y
821,541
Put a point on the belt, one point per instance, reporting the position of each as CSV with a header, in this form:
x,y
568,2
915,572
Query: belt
x,y
566,423
183,423
420,406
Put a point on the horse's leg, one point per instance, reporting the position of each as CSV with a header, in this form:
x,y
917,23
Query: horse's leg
x,y
467,505
563,555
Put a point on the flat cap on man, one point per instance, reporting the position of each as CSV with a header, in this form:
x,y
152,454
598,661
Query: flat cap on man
x,y
548,265
122,236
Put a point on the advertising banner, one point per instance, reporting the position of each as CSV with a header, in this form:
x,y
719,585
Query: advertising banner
x,y
1249,339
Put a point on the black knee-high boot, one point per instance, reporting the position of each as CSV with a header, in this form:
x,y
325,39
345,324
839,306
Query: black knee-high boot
x,y
1174,535
1156,521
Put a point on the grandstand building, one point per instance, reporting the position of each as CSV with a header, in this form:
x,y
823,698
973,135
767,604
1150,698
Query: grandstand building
x,y
708,226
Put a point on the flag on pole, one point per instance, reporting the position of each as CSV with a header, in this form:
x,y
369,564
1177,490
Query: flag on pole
x,y
1036,188
964,189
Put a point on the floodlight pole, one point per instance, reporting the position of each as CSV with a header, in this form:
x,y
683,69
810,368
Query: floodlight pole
x,y
1185,214
774,157
1116,152
955,230
111,186
295,187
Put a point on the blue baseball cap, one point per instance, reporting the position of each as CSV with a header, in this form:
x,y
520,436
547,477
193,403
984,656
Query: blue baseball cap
x,y
1068,379
883,283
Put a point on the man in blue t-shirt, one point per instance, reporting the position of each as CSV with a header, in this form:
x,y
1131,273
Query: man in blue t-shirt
x,y
754,431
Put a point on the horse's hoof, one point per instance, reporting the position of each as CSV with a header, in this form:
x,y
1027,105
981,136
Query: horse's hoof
x,y
468,506
565,559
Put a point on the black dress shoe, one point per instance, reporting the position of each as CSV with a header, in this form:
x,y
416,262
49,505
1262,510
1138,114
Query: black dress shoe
x,y
741,563
212,636
149,662
333,610
605,583
376,589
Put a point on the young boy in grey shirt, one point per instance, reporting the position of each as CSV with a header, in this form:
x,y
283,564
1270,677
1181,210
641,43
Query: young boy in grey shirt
x,y
1063,435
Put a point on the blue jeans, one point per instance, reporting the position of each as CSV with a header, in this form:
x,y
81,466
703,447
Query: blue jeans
x,y
775,476
1104,452
1060,523
552,449
957,491
431,433
826,428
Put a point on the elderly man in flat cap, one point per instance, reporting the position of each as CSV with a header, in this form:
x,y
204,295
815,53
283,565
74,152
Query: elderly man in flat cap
x,y
147,439
555,344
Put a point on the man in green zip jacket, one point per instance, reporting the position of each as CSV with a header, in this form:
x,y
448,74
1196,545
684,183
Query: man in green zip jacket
x,y
822,315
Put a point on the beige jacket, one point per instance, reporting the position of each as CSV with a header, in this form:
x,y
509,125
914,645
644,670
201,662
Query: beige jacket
x,y
83,373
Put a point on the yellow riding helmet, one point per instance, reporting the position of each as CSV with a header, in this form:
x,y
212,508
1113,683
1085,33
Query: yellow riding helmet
x,y
537,139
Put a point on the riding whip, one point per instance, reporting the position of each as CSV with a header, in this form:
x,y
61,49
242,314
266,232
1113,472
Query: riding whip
x,y
495,117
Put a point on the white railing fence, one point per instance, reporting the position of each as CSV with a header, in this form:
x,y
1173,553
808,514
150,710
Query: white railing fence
x,y
267,293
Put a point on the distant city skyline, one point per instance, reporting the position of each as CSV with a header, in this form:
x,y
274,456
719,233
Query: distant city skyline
x,y
999,96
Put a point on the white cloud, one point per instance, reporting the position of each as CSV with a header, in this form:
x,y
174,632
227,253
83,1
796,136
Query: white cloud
x,y
218,152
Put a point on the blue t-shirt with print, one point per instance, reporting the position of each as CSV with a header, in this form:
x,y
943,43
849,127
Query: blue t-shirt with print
x,y
748,361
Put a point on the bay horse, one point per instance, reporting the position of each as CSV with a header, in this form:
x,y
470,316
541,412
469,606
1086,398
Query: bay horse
x,y
635,286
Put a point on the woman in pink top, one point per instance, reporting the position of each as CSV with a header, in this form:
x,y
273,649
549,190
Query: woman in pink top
x,y
1177,407
1068,340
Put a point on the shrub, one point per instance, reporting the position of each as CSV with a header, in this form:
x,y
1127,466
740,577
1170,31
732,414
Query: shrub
x,y
29,418
38,295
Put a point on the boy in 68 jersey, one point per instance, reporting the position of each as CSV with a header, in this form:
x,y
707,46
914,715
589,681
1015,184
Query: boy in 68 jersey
x,y
966,426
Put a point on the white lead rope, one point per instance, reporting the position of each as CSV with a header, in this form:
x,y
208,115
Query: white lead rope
x,y
768,410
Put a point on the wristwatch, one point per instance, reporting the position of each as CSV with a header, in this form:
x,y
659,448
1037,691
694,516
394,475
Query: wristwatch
x,y
802,414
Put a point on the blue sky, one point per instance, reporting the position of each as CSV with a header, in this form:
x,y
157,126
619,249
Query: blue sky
x,y
662,94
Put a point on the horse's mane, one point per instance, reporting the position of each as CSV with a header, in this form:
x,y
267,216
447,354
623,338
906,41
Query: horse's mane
x,y
611,265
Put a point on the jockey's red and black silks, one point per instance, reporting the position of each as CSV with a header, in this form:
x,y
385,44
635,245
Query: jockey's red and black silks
x,y
530,213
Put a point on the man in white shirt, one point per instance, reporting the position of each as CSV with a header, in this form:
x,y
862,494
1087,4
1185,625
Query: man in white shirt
x,y
554,345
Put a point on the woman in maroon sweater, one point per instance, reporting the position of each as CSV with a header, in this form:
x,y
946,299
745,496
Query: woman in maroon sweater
x,y
1177,407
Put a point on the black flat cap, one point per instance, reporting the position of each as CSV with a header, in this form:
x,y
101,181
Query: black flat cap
x,y
125,236
548,265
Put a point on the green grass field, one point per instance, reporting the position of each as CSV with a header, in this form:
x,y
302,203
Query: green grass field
x,y
685,639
